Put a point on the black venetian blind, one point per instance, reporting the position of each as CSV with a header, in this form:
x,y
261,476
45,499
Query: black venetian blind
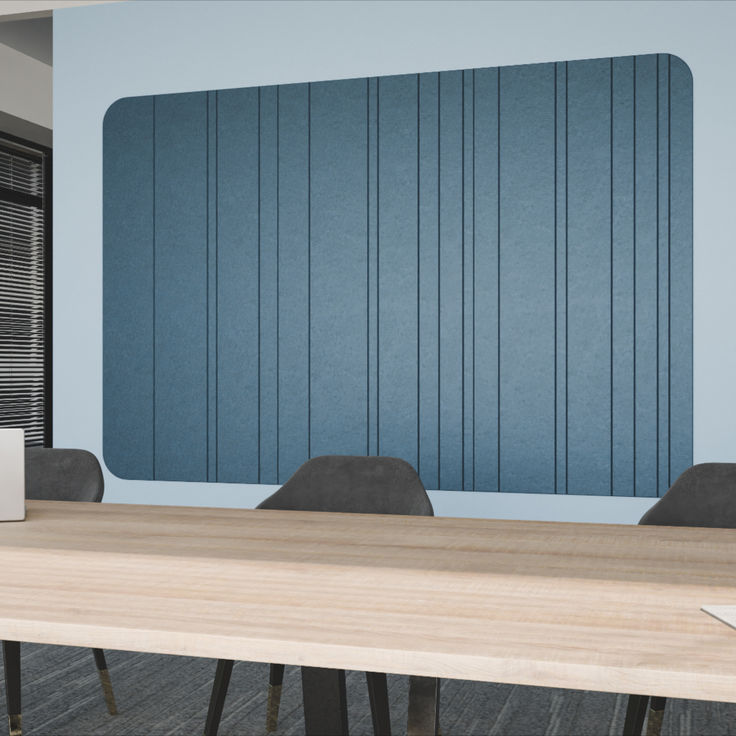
x,y
25,210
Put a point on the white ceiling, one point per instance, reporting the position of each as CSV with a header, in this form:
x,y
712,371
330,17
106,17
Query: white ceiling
x,y
39,8
27,26
31,36
26,64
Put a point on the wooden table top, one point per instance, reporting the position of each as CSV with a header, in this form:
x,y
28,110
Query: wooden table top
x,y
593,606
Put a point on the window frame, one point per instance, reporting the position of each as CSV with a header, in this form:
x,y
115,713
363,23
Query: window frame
x,y
26,148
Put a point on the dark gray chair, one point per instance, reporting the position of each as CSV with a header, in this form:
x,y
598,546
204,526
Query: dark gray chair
x,y
342,483
56,475
704,495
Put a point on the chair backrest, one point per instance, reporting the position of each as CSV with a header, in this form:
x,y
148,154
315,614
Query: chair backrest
x,y
353,484
704,495
63,475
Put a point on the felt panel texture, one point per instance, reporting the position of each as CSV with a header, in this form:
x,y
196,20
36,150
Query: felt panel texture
x,y
484,272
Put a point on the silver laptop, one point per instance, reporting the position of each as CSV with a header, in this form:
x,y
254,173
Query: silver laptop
x,y
12,475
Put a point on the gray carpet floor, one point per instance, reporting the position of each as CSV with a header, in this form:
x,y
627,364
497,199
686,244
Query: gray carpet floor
x,y
159,695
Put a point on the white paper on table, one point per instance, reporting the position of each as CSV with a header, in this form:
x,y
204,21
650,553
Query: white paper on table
x,y
725,614
12,475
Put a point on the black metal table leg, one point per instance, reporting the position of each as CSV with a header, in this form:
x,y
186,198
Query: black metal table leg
x,y
656,716
325,702
636,711
11,664
275,683
105,682
378,696
424,706
217,697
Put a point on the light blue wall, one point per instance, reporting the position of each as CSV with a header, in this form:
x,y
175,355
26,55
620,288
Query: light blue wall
x,y
107,52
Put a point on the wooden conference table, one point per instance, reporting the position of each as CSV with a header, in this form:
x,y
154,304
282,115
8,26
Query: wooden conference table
x,y
591,606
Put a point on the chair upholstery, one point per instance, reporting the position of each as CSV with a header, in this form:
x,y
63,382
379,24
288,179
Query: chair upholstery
x,y
63,475
338,483
353,484
704,495
56,475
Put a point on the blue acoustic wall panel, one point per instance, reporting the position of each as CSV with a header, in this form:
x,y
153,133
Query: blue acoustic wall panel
x,y
128,316
486,272
397,284
622,276
180,279
237,293
294,278
679,209
588,257
338,263
428,278
526,278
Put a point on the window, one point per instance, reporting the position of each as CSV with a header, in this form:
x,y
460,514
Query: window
x,y
25,288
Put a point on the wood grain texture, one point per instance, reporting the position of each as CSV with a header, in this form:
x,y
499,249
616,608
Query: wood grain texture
x,y
600,607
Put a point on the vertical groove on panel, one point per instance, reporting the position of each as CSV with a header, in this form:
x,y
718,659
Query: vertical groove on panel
x,y
309,269
468,279
663,272
268,284
269,296
589,357
462,281
211,289
680,224
207,288
656,444
622,272
291,215
397,251
669,270
259,285
560,284
649,282
467,391
153,346
567,281
484,232
278,289
215,336
217,285
378,266
439,279
555,283
450,270
428,318
666,279
611,267
372,365
237,285
498,279
474,487
419,282
212,260
634,269
368,265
